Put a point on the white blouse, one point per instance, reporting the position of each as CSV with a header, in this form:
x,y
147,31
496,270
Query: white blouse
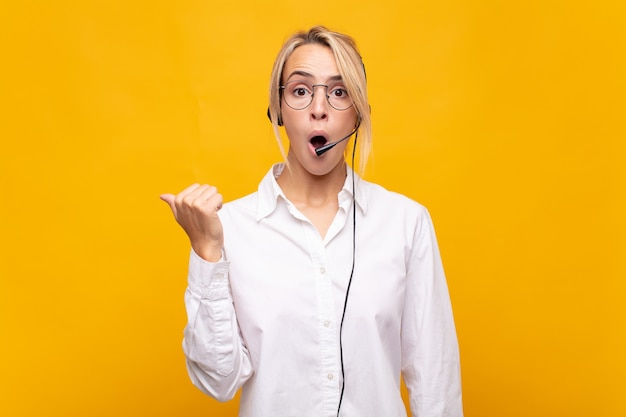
x,y
266,317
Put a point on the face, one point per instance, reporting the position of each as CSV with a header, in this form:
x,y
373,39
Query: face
x,y
319,123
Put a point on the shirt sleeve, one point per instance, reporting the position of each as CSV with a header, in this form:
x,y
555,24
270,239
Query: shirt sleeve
x,y
430,352
218,362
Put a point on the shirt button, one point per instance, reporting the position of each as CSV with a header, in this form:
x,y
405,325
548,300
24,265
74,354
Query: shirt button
x,y
326,323
322,270
330,377
220,275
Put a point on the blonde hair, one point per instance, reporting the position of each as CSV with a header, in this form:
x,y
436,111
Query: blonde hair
x,y
351,69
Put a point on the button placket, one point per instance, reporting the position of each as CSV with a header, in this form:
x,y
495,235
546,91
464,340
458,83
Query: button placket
x,y
329,359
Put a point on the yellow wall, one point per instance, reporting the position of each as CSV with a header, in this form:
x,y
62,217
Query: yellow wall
x,y
507,119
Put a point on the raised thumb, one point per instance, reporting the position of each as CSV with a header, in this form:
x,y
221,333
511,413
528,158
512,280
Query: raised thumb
x,y
169,199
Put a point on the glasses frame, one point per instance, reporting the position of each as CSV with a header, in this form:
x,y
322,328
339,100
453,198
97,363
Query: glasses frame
x,y
282,88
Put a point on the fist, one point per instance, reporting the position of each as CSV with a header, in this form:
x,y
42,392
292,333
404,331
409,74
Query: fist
x,y
195,209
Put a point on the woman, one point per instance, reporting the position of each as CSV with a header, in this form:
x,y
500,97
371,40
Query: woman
x,y
317,292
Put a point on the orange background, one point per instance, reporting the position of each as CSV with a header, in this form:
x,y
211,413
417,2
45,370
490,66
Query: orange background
x,y
506,119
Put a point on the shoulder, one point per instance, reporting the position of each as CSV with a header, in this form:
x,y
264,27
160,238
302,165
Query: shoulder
x,y
241,207
379,198
395,217
258,204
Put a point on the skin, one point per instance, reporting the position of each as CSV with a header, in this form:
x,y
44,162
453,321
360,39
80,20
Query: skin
x,y
310,182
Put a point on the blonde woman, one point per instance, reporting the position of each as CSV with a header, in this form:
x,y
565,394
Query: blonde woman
x,y
319,291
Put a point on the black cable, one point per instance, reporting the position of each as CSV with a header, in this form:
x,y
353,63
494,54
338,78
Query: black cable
x,y
345,302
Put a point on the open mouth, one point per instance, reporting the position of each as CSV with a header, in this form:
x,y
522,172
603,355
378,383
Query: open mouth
x,y
318,141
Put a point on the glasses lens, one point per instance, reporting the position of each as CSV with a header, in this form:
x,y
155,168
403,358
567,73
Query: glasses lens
x,y
338,98
298,95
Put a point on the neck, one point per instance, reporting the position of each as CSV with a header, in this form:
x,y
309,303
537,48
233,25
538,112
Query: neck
x,y
301,187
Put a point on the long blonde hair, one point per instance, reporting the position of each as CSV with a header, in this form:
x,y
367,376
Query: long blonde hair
x,y
351,69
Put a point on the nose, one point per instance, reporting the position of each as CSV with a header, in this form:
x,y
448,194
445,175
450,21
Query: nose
x,y
319,105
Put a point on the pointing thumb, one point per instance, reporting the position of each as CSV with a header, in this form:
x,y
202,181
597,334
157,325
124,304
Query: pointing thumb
x,y
169,199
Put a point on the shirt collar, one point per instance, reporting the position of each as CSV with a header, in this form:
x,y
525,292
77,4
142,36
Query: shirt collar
x,y
269,191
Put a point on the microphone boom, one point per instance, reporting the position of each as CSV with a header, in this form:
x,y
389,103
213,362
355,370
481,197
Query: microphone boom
x,y
323,149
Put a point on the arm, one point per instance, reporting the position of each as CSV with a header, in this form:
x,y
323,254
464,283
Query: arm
x,y
430,353
218,362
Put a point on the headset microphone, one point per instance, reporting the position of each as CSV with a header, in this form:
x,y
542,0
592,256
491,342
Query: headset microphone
x,y
323,149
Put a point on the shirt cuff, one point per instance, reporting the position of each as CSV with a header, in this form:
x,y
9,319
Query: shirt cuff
x,y
209,279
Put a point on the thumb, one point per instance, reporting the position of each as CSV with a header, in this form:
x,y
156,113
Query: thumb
x,y
169,199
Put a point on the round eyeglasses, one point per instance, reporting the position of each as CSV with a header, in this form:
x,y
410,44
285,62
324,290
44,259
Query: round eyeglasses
x,y
299,95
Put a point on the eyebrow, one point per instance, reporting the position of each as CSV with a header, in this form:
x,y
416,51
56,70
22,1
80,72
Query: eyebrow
x,y
309,75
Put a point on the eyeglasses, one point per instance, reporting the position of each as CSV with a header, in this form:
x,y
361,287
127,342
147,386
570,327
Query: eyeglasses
x,y
299,94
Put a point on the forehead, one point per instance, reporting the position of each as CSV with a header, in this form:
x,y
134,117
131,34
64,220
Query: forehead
x,y
317,61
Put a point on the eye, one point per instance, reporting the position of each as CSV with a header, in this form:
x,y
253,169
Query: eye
x,y
339,92
298,88
300,91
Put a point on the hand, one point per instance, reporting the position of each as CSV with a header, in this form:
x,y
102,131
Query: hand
x,y
195,210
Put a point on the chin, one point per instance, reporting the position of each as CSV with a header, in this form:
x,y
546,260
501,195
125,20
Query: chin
x,y
324,167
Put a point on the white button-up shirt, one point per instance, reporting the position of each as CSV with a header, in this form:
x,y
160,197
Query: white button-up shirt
x,y
267,316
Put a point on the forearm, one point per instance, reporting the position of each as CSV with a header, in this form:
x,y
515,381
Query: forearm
x,y
431,369
217,360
